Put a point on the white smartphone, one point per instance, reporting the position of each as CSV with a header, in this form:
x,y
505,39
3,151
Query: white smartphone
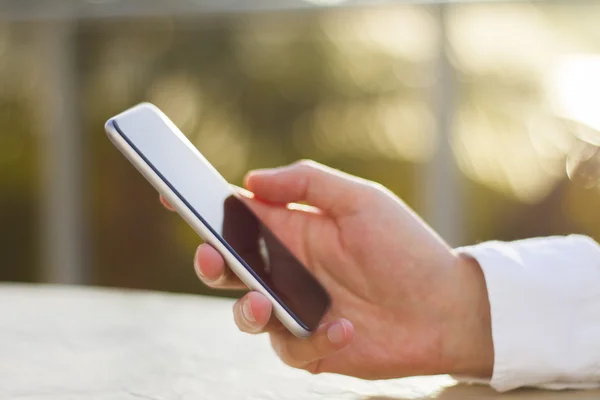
x,y
214,210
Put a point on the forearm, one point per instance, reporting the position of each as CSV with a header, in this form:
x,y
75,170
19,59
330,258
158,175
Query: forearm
x,y
469,347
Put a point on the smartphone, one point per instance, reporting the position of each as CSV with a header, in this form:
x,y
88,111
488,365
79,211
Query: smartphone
x,y
211,206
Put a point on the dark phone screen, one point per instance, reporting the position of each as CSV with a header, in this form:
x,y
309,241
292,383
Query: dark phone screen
x,y
169,153
262,251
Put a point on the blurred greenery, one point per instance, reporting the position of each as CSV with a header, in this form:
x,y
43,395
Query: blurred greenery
x,y
350,88
18,200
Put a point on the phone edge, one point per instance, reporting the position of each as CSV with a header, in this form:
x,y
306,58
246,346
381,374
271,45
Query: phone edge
x,y
200,228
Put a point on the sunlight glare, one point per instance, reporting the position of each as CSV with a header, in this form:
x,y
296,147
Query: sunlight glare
x,y
576,92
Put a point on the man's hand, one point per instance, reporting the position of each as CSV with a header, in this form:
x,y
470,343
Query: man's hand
x,y
404,303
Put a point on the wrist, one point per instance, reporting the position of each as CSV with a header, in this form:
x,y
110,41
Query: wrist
x,y
469,346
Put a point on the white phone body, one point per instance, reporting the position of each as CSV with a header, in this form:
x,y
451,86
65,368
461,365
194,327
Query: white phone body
x,y
203,184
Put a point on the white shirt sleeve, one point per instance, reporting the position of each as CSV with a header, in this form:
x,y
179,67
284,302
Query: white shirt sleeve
x,y
545,307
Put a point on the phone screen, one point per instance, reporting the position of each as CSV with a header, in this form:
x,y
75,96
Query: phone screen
x,y
210,197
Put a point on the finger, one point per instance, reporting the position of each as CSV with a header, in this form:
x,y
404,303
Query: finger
x,y
333,191
211,269
303,353
252,313
166,204
252,320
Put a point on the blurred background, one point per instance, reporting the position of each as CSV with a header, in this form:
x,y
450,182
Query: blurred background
x,y
482,116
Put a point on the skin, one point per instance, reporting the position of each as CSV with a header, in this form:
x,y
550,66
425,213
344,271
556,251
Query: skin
x,y
404,303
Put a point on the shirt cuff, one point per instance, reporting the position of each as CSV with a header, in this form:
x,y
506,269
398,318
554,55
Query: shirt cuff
x,y
545,311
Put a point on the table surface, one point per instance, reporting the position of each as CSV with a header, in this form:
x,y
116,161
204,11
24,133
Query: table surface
x,y
89,343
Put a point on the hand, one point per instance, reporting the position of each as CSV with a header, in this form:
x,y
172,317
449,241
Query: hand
x,y
404,303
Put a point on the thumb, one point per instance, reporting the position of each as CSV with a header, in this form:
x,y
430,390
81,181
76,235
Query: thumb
x,y
332,191
305,353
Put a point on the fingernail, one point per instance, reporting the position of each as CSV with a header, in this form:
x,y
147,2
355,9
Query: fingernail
x,y
247,311
336,333
197,265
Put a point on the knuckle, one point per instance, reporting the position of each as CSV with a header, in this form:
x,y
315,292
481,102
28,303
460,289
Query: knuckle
x,y
373,191
307,164
284,355
314,367
375,187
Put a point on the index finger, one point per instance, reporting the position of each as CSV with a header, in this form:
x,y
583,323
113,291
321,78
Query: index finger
x,y
212,270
